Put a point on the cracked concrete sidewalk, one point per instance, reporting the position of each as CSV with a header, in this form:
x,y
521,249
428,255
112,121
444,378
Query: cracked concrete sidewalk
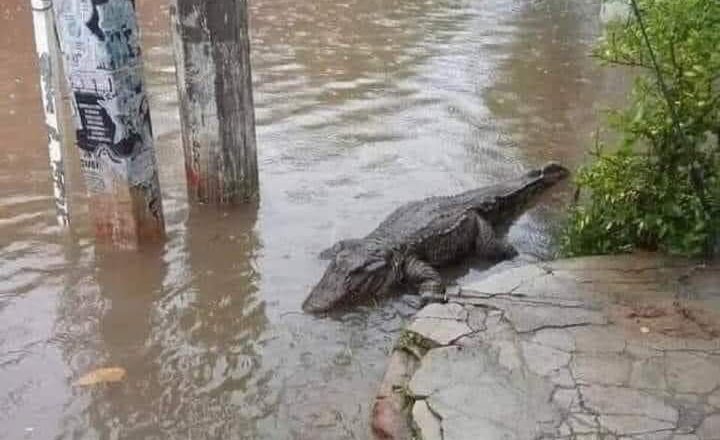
x,y
617,347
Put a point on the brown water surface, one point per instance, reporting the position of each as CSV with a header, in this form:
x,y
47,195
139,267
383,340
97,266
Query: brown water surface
x,y
361,106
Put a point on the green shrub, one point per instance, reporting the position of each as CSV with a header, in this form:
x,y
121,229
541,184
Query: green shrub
x,y
660,187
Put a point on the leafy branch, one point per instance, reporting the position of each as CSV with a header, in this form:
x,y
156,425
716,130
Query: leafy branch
x,y
659,188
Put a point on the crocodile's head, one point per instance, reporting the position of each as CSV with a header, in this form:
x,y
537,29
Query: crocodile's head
x,y
512,198
356,272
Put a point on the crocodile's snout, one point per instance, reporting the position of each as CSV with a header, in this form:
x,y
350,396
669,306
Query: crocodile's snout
x,y
329,290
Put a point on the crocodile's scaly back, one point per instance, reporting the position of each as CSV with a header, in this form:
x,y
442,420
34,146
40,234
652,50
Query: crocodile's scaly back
x,y
499,204
408,220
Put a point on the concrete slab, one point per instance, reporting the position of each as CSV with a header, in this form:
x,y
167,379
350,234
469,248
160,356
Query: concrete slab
x,y
441,323
485,398
611,348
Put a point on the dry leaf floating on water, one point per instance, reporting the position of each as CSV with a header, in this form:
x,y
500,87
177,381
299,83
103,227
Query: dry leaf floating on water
x,y
101,375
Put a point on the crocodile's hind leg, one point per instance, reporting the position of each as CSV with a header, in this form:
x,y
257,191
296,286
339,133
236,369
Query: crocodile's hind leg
x,y
427,279
489,245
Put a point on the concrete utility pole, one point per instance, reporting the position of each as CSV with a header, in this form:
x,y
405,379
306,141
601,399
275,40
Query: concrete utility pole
x,y
212,57
51,92
101,48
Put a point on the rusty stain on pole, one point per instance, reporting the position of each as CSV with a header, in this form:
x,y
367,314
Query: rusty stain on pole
x,y
212,57
50,70
101,48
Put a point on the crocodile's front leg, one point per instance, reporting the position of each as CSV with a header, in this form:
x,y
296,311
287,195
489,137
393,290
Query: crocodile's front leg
x,y
489,245
427,279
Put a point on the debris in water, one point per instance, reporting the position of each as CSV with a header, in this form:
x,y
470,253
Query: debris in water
x,y
101,375
647,312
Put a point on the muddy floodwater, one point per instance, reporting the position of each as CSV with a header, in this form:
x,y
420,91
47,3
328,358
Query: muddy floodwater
x,y
361,106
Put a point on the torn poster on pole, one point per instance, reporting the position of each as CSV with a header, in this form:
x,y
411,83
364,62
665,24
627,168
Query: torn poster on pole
x,y
103,63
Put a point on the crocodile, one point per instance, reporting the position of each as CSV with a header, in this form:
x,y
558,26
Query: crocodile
x,y
421,236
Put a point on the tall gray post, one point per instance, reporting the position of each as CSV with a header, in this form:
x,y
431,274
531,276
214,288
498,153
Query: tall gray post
x,y
212,57
103,64
51,93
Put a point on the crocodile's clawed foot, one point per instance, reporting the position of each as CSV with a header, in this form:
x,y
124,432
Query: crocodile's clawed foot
x,y
428,296
502,251
508,251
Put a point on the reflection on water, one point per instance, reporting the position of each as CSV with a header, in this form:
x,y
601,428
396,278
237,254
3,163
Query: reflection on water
x,y
361,105
546,97
185,326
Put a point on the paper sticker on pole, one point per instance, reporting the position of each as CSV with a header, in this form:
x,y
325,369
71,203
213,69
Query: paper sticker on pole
x,y
50,71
